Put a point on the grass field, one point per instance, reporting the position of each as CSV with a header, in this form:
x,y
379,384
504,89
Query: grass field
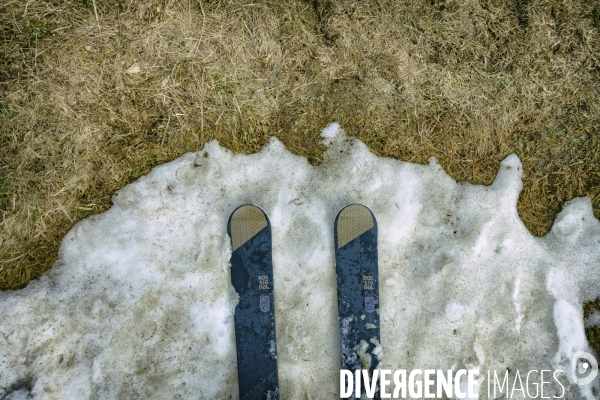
x,y
93,94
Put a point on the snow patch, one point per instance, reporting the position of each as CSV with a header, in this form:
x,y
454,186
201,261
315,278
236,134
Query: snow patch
x,y
140,304
330,130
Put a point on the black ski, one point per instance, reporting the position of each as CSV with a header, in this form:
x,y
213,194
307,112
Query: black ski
x,y
358,291
252,277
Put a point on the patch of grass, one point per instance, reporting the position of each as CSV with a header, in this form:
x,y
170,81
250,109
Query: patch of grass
x,y
592,332
34,30
5,191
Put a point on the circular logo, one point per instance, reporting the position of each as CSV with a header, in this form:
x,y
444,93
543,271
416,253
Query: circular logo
x,y
584,368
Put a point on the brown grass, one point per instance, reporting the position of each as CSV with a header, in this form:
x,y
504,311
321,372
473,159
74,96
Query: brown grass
x,y
93,94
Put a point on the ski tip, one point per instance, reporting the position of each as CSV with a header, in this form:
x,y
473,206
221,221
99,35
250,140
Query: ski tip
x,y
351,222
244,223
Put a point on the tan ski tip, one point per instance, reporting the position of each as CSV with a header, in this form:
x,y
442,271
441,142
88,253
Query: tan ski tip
x,y
246,222
353,221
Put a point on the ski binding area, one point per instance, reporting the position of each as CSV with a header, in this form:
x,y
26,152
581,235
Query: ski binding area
x,y
141,303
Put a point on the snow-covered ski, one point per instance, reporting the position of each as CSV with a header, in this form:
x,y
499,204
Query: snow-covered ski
x,y
252,277
355,232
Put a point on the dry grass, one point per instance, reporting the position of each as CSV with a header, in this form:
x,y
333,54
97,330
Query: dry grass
x,y
95,93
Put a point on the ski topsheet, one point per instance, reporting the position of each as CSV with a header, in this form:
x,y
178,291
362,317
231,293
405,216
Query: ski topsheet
x,y
355,233
252,278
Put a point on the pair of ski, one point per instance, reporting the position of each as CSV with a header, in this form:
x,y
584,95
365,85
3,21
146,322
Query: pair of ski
x,y
355,232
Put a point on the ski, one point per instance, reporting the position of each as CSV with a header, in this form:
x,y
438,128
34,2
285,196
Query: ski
x,y
355,232
252,277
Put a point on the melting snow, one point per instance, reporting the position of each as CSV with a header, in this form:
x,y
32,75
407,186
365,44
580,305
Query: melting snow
x,y
140,305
